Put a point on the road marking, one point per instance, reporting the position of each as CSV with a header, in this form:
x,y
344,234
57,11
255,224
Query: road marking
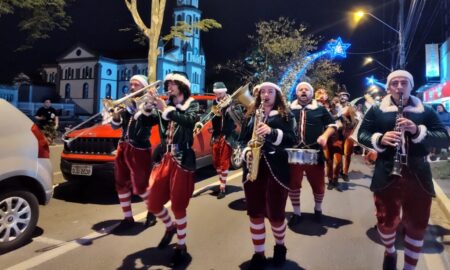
x,y
47,240
62,247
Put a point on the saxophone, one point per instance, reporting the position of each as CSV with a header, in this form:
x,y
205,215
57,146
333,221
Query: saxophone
x,y
255,144
399,158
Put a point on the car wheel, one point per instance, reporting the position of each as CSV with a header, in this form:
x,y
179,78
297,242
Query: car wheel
x,y
236,159
19,212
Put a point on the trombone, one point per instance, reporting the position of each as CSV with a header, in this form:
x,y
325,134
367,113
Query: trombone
x,y
110,105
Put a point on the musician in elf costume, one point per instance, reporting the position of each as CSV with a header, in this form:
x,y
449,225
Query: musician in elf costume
x,y
270,124
347,121
314,126
172,177
223,126
401,129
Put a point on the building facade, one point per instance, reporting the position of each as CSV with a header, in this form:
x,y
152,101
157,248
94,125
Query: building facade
x,y
86,78
439,90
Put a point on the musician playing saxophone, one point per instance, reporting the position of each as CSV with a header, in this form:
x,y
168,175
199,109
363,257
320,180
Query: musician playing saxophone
x,y
401,133
267,194
314,126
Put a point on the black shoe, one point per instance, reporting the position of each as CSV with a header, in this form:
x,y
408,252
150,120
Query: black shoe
x,y
294,220
345,177
150,220
390,262
179,257
167,238
258,262
124,225
221,194
279,255
318,216
330,185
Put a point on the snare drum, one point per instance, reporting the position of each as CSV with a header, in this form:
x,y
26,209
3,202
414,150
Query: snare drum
x,y
302,156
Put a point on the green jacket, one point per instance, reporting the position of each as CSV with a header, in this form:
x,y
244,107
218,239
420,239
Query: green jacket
x,y
431,133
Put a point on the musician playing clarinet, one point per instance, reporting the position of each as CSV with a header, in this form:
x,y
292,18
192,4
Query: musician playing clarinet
x,y
314,126
270,123
133,162
400,129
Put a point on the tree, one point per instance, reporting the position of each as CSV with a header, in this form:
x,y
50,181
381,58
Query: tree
x,y
280,46
153,32
38,17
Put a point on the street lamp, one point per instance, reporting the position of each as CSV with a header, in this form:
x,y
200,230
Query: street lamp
x,y
359,14
371,59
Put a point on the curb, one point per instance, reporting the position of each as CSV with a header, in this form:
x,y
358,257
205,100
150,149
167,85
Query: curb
x,y
442,200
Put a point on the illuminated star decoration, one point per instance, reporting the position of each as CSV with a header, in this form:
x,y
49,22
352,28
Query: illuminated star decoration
x,y
370,80
338,48
334,48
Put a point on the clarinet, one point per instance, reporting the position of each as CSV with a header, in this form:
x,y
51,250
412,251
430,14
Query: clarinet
x,y
398,161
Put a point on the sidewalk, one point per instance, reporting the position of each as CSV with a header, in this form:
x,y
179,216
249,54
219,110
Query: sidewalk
x,y
441,179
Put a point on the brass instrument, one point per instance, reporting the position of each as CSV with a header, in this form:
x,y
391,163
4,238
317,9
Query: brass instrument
x,y
241,95
110,105
255,144
136,97
399,157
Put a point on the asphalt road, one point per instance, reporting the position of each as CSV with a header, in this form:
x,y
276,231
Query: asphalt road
x,y
72,231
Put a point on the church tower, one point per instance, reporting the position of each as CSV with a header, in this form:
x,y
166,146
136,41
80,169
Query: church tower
x,y
187,11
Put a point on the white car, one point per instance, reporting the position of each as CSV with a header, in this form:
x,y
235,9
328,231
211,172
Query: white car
x,y
26,176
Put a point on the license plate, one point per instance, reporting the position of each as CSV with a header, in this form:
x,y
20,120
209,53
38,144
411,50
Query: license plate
x,y
85,170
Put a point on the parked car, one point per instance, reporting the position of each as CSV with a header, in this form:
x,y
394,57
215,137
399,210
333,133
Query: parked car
x,y
91,154
26,176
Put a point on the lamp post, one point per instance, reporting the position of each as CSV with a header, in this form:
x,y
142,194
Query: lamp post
x,y
401,45
371,59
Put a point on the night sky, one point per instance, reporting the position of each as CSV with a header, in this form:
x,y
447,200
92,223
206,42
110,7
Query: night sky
x,y
96,23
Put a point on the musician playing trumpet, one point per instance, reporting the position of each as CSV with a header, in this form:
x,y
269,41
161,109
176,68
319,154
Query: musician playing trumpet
x,y
133,162
266,192
222,140
400,129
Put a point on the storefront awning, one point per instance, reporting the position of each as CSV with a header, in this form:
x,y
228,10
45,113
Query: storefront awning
x,y
437,93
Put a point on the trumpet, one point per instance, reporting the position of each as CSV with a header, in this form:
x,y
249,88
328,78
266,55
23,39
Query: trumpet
x,y
136,97
110,105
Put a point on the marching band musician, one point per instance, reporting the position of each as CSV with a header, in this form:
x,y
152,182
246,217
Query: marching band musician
x,y
402,180
266,196
314,126
133,162
341,158
172,177
223,126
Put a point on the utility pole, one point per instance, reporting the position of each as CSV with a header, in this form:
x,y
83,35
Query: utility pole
x,y
401,38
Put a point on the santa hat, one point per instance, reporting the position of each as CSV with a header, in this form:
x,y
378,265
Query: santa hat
x,y
305,84
400,73
177,77
269,84
140,78
219,87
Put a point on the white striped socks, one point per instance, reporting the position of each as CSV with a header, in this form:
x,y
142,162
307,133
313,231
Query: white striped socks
x,y
412,252
125,203
258,231
318,199
279,233
165,217
295,200
181,230
388,240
